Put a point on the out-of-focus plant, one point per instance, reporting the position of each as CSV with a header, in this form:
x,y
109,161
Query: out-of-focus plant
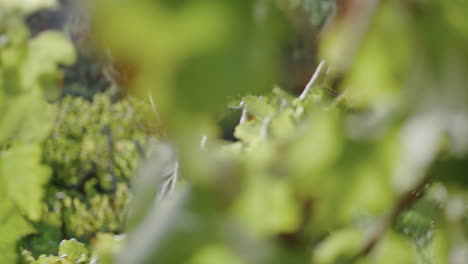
x,y
99,135
405,62
341,174
28,71
367,165
85,151
312,12
305,18
93,150
70,251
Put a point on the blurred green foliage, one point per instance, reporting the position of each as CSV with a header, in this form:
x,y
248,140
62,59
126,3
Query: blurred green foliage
x,y
70,251
28,68
85,159
93,149
366,166
98,135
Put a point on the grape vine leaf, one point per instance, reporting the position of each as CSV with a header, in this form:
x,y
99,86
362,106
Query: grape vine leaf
x,y
12,226
20,195
27,118
23,176
50,49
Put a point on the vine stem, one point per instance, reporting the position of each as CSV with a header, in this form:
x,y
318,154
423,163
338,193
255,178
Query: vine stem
x,y
403,203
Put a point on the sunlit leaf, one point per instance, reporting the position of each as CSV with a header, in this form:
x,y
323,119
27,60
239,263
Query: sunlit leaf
x,y
73,251
268,207
48,50
12,227
393,249
24,176
27,118
341,245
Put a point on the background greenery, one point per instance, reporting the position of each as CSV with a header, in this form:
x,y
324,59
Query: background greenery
x,y
249,131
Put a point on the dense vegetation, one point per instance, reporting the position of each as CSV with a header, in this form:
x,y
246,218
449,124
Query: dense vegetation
x,y
190,143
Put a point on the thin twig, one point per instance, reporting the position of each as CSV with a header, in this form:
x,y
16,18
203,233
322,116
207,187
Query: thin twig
x,y
311,82
266,126
244,113
175,178
405,201
153,105
203,140
169,184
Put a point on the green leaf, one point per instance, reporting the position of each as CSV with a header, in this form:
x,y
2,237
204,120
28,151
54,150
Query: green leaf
x,y
48,50
249,131
27,118
70,252
23,177
318,145
282,125
376,84
268,206
107,245
439,247
341,245
393,248
50,260
368,193
12,227
258,106
12,223
73,251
